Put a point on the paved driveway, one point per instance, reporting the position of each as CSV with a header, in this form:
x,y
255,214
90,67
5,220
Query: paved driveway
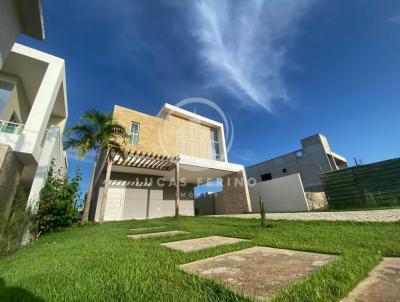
x,y
376,215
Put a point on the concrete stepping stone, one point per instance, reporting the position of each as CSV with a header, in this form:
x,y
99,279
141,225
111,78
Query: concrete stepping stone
x,y
382,284
196,244
259,272
158,234
146,229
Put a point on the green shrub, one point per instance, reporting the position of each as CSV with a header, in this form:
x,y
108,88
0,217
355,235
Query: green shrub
x,y
16,224
55,208
197,211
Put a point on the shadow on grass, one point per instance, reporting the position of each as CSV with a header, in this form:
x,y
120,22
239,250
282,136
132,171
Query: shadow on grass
x,y
14,293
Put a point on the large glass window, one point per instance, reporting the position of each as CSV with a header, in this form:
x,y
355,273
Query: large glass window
x,y
134,134
215,145
5,93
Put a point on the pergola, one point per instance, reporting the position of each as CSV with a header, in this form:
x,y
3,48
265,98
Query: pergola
x,y
146,160
140,159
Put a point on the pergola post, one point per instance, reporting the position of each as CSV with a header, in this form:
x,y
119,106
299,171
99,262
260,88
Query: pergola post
x,y
177,186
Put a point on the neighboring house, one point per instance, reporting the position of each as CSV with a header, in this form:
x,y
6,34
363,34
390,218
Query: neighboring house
x,y
16,17
314,158
33,112
175,144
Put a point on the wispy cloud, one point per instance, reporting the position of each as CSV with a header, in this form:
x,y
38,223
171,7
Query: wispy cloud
x,y
394,19
246,156
243,44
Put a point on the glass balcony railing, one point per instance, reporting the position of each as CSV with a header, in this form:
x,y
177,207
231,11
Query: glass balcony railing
x,y
44,137
10,127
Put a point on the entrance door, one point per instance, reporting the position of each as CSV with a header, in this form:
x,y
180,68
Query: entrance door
x,y
114,206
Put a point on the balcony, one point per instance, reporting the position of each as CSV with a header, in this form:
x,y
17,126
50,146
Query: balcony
x,y
10,127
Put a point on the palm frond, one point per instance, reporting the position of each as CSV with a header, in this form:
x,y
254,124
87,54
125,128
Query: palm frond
x,y
96,131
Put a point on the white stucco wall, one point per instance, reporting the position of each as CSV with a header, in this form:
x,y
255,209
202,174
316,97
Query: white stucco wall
x,y
10,27
52,150
284,194
43,104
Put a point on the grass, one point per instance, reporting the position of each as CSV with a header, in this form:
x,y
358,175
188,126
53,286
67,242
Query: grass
x,y
99,263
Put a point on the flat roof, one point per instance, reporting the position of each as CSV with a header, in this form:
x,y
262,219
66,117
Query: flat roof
x,y
171,109
32,18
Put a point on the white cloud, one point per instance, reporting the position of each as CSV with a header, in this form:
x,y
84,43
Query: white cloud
x,y
243,44
394,19
245,155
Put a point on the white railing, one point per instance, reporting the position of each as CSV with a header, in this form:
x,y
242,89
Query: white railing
x,y
10,127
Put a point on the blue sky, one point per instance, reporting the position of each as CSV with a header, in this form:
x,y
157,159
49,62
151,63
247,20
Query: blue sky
x,y
282,70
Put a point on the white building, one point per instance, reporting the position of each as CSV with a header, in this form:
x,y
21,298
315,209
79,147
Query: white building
x,y
33,105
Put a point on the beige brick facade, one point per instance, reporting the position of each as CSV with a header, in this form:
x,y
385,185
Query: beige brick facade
x,y
171,136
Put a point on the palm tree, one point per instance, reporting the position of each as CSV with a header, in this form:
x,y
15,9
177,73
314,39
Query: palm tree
x,y
100,133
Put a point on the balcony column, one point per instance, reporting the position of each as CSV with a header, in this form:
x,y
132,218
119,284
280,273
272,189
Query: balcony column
x,y
51,150
42,107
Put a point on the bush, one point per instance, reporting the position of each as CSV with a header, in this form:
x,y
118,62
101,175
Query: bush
x,y
55,208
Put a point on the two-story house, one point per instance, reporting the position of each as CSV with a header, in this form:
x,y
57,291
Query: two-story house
x,y
175,144
33,113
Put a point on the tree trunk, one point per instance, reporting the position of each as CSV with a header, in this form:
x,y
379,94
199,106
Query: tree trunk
x,y
106,185
86,208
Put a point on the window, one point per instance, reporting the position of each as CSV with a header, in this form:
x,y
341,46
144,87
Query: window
x,y
284,170
12,126
215,145
134,134
266,176
299,153
14,118
5,93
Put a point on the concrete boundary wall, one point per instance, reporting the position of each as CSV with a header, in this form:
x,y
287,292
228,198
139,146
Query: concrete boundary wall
x,y
284,194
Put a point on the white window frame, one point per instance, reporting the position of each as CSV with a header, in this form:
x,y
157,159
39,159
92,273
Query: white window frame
x,y
131,133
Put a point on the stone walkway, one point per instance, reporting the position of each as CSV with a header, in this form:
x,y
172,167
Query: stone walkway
x,y
259,272
382,284
158,234
390,215
146,229
197,244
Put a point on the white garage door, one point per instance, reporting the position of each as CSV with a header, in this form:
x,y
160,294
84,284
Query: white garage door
x,y
114,204
135,206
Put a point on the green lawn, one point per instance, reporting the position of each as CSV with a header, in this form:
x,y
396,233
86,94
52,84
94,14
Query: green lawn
x,y
99,263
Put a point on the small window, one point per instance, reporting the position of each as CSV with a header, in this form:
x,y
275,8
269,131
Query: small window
x,y
266,176
284,170
134,134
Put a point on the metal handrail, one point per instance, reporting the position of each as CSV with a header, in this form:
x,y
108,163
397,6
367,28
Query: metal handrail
x,y
11,127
